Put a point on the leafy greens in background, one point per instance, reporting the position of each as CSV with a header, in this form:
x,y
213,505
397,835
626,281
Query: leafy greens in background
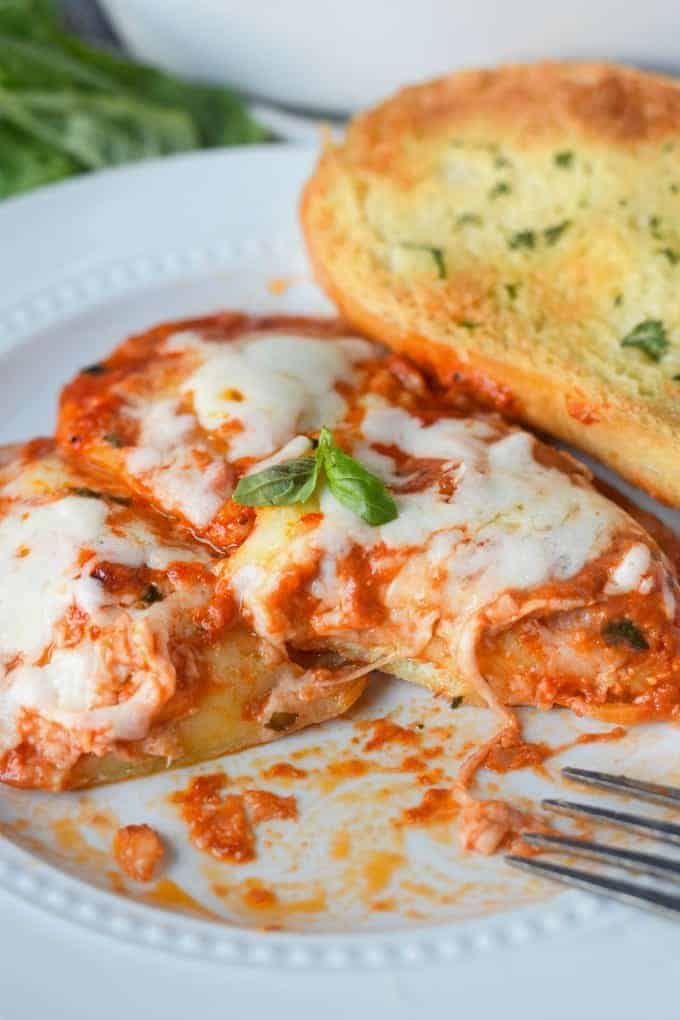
x,y
67,106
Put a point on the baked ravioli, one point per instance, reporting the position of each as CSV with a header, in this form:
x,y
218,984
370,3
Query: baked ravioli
x,y
178,414
500,574
505,578
119,655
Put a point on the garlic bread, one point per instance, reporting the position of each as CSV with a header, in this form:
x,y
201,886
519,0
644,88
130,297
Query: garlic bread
x,y
518,230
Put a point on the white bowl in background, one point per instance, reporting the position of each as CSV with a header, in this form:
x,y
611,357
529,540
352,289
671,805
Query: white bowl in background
x,y
338,57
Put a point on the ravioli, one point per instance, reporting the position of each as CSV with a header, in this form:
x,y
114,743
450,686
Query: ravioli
x,y
119,654
506,578
178,414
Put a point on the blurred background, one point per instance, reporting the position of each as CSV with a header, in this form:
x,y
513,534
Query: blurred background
x,y
337,57
86,84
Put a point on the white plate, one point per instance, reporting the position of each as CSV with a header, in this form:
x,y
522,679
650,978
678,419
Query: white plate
x,y
90,261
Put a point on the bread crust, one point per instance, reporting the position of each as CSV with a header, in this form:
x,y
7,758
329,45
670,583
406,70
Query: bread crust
x,y
628,417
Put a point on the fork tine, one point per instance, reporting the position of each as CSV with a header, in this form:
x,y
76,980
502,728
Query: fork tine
x,y
618,889
666,832
647,864
657,793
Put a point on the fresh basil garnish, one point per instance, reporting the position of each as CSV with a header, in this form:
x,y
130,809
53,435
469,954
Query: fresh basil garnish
x,y
650,337
295,481
617,632
354,486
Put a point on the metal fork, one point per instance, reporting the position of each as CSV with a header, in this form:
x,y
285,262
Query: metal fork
x,y
646,897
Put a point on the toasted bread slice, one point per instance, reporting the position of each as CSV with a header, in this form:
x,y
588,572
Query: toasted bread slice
x,y
519,229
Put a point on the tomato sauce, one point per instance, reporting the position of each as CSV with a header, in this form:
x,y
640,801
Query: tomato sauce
x,y
223,824
437,806
138,850
385,732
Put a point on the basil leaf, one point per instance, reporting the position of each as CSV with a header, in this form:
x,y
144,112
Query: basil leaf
x,y
68,106
650,337
617,631
27,163
294,481
31,63
354,486
98,130
218,115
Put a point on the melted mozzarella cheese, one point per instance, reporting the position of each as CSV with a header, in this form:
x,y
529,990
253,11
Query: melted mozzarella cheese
x,y
47,557
164,457
629,574
297,447
272,387
509,524
39,569
265,388
448,439
527,523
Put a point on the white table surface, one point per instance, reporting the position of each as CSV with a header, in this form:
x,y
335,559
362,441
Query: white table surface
x,y
52,969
